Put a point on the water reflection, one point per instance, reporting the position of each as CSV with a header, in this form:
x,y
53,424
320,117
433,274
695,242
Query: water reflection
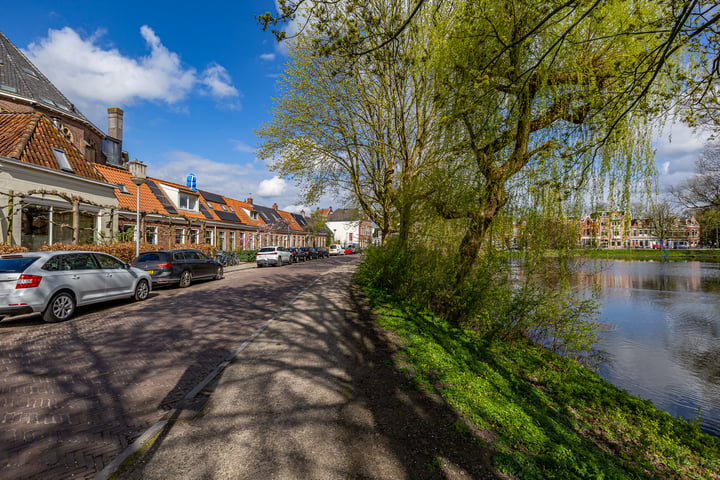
x,y
665,344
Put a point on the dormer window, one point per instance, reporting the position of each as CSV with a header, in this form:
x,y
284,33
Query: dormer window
x,y
122,188
253,215
62,160
188,202
30,72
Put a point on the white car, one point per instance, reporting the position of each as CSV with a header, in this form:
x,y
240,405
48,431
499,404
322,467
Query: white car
x,y
337,250
56,282
275,255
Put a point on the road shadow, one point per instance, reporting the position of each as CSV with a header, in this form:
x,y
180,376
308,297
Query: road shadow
x,y
317,395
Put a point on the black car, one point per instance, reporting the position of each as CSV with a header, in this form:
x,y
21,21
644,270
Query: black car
x,y
323,252
178,267
310,254
296,255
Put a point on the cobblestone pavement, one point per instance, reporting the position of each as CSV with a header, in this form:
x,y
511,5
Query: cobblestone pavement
x,y
73,395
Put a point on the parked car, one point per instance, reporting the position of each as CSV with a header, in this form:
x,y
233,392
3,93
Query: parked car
x,y
323,252
314,253
275,255
347,251
296,255
310,254
56,282
336,250
179,266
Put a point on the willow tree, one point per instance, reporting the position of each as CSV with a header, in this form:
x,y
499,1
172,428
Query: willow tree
x,y
358,125
550,92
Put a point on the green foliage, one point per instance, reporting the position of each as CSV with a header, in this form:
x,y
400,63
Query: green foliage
x,y
502,297
247,255
551,418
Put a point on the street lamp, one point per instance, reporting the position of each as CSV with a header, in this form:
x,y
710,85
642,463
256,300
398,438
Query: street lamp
x,y
138,170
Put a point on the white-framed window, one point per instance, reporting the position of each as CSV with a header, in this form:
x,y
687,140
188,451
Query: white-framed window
x,y
194,236
187,201
180,235
221,240
151,235
232,240
208,237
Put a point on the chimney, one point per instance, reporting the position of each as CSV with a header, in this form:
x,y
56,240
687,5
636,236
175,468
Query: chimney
x,y
250,200
275,206
302,213
115,123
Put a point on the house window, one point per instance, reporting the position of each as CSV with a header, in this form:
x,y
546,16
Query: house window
x,y
151,235
194,236
254,215
188,202
221,240
208,237
232,240
62,160
179,235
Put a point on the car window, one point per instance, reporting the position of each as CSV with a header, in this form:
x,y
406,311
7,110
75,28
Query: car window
x,y
178,256
78,261
190,255
15,265
106,261
201,256
267,249
149,257
54,264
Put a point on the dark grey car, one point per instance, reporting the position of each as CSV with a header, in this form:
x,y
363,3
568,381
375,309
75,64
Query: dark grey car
x,y
178,267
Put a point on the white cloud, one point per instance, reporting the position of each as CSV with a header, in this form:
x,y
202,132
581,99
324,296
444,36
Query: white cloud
x,y
94,77
268,57
273,187
217,79
677,149
242,147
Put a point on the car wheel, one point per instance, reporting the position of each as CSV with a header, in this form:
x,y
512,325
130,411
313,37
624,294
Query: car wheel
x,y
61,307
142,290
219,273
185,279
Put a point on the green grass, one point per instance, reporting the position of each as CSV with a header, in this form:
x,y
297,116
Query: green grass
x,y
551,418
651,254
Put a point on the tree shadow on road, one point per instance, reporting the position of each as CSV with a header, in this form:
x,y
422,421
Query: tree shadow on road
x,y
317,395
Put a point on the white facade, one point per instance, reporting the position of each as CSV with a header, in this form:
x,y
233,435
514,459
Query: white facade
x,y
42,217
358,232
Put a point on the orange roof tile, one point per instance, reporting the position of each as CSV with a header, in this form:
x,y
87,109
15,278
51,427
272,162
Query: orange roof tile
x,y
291,220
128,201
185,189
30,138
240,207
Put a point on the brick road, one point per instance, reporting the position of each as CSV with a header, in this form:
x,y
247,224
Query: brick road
x,y
73,395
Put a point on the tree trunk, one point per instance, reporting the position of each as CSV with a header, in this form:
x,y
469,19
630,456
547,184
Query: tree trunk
x,y
76,220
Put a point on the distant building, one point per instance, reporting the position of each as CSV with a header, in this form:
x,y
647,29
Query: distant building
x,y
350,228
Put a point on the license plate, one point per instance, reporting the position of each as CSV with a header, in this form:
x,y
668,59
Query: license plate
x,y
150,271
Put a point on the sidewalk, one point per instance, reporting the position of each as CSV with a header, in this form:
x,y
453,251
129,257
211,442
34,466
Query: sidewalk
x,y
310,397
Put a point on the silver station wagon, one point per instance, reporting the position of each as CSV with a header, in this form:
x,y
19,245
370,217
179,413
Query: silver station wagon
x,y
54,283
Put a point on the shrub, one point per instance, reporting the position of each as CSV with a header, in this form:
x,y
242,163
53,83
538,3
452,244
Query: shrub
x,y
126,251
247,255
7,248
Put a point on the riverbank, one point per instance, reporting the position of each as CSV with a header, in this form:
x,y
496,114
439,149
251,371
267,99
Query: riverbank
x,y
543,416
700,255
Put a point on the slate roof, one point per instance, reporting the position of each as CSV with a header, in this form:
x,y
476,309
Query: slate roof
x,y
20,78
31,137
345,215
269,215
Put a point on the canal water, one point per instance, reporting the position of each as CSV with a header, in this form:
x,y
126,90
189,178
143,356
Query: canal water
x,y
664,344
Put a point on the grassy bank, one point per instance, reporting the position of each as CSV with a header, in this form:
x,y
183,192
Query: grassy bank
x,y
543,415
651,254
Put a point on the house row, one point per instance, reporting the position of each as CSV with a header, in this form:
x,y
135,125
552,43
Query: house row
x,y
62,180
617,230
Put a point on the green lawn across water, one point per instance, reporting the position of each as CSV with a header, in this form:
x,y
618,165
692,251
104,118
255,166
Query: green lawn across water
x,y
700,255
551,418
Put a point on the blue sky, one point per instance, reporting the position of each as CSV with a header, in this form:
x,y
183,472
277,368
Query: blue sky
x,y
194,82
